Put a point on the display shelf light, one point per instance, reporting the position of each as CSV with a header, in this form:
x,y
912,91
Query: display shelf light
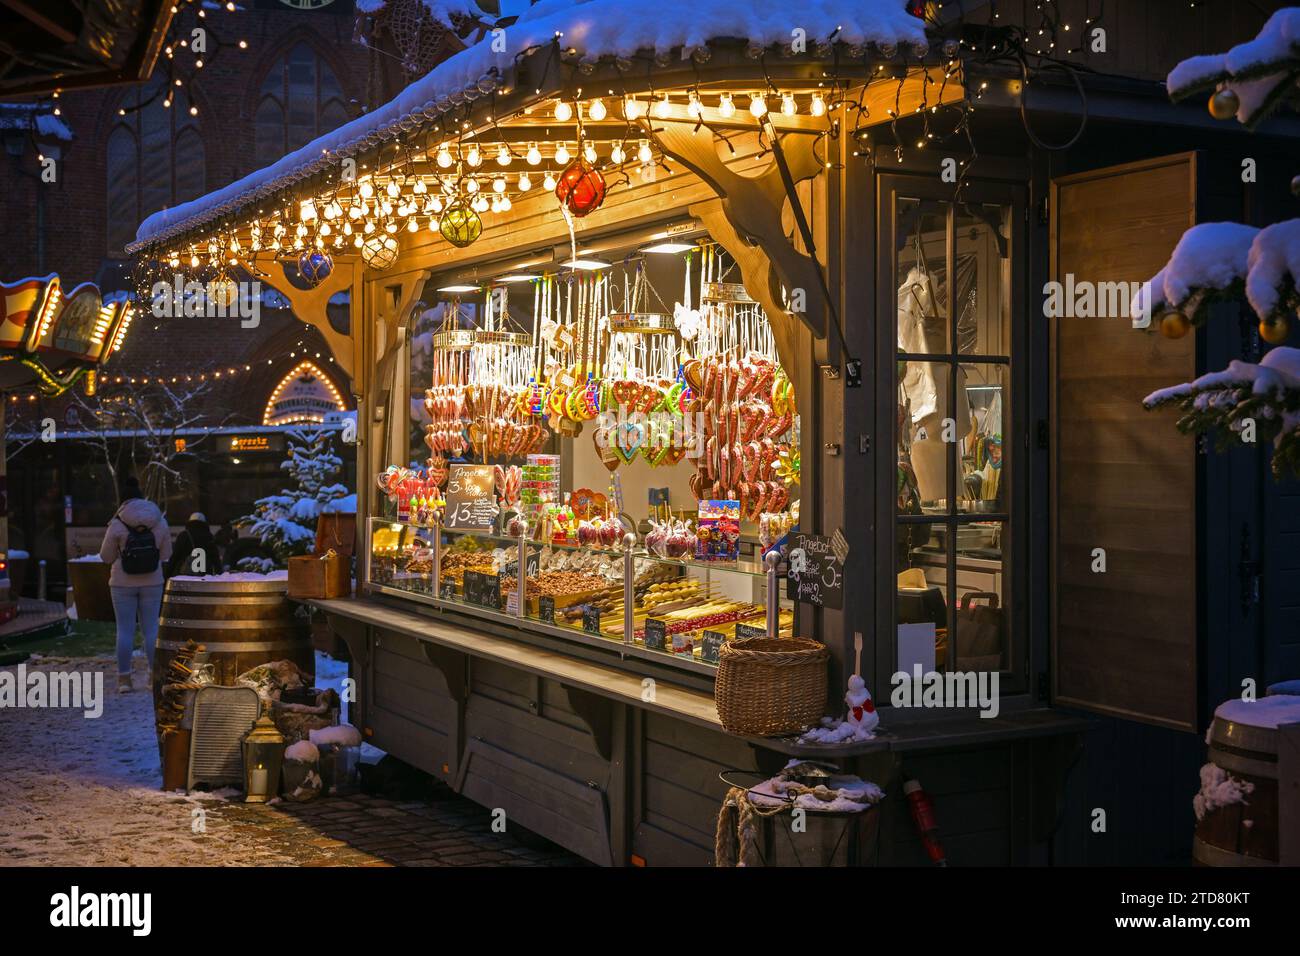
x,y
586,265
669,247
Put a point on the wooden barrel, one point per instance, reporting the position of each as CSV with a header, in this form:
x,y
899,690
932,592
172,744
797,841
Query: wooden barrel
x,y
242,623
1243,833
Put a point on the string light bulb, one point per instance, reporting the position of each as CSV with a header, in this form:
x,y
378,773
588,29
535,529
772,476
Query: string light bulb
x,y
632,110
818,106
562,154
474,157
726,106
534,156
788,107
596,110
443,159
563,111
589,151
758,105
503,155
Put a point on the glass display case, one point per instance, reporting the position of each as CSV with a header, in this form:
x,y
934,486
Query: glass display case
x,y
667,608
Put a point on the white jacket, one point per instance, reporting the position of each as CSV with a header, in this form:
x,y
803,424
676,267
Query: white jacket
x,y
135,512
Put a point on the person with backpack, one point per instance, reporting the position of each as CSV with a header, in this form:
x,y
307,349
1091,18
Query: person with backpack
x,y
137,543
197,537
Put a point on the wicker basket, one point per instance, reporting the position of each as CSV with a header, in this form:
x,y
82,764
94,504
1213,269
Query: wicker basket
x,y
771,686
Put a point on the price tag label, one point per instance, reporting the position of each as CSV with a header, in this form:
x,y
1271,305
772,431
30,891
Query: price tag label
x,y
711,646
447,589
471,498
656,634
546,608
483,589
591,619
815,573
749,630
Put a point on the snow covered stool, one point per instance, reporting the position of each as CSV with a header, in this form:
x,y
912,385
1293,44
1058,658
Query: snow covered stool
x,y
340,756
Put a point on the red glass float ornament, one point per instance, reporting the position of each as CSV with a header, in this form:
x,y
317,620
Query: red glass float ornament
x,y
581,187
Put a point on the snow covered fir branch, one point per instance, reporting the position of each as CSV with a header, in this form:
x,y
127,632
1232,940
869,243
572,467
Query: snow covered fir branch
x,y
1228,262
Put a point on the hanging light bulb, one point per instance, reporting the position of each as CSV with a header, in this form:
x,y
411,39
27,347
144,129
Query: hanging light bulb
x,y
194,262
393,189
548,182
663,107
420,187
788,107
643,153
357,241
633,110
726,107
496,204
307,210
367,189
563,111
479,204
589,151
499,185
525,183
562,154
534,156
474,157
693,106
758,105
506,204
443,158
818,105
471,185
412,224
503,155
325,229
347,229
616,155
390,227
596,110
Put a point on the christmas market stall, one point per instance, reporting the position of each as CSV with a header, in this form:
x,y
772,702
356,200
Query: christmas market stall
x,y
699,379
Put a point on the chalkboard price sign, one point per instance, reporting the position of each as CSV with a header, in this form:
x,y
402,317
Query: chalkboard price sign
x,y
711,646
816,574
533,564
749,630
656,634
447,589
546,609
471,499
483,589
591,619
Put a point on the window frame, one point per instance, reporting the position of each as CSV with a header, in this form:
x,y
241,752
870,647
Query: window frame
x,y
1017,535
275,86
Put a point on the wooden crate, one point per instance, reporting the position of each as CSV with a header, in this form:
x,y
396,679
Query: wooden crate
x,y
319,576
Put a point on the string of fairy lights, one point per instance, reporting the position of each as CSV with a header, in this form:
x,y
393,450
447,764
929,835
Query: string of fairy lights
x,y
462,173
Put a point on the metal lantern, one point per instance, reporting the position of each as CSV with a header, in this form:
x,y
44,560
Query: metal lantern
x,y
581,187
263,755
460,225
379,251
315,267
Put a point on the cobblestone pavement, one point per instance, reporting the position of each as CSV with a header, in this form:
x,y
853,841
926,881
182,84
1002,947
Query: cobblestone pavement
x,y
79,791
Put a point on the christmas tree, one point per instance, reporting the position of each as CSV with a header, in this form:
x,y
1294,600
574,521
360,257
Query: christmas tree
x,y
286,523
1230,262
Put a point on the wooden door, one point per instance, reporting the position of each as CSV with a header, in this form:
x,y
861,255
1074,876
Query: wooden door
x,y
1124,480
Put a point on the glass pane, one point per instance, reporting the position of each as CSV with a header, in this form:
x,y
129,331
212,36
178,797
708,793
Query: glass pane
x,y
921,610
982,243
926,433
921,276
982,611
984,402
302,96
268,132
189,165
120,163
155,156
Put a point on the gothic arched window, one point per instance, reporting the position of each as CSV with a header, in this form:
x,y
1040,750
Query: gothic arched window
x,y
154,158
299,99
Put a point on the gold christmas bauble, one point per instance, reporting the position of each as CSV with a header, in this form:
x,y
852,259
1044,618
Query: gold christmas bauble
x,y
1275,332
1224,104
1174,325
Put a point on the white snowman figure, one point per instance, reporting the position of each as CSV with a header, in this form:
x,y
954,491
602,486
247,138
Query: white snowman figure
x,y
862,709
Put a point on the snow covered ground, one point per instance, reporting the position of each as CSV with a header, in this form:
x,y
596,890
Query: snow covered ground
x,y
85,791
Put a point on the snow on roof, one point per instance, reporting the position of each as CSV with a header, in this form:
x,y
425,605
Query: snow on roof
x,y
1254,70
593,28
34,116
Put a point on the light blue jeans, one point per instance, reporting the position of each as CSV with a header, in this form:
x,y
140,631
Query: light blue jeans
x,y
128,605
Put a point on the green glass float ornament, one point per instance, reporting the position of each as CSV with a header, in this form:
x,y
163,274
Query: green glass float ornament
x,y
460,225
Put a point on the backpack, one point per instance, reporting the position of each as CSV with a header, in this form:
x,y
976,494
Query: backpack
x,y
140,554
